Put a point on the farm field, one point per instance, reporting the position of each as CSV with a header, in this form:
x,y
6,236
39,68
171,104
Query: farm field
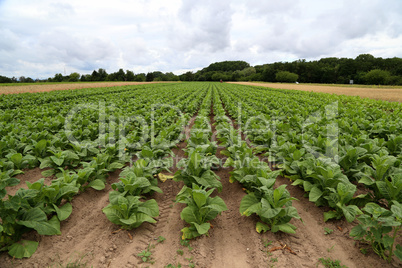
x,y
85,177
377,93
45,87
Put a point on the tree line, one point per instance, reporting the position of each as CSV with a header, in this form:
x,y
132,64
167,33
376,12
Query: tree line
x,y
364,69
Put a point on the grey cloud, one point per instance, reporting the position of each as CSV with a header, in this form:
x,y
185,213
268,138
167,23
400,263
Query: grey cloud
x,y
203,25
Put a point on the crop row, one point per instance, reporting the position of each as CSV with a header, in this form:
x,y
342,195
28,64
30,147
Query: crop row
x,y
330,146
79,138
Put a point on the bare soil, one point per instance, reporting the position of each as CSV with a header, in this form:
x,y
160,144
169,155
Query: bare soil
x,y
388,94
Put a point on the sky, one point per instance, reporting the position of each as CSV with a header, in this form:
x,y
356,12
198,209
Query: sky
x,y
43,37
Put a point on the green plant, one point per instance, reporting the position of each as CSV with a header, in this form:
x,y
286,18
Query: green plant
x,y
329,263
200,209
274,260
380,228
145,255
129,211
274,207
160,239
339,199
267,243
180,252
196,170
328,231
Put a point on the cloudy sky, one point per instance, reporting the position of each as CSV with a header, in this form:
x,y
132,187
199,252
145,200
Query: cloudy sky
x,y
43,37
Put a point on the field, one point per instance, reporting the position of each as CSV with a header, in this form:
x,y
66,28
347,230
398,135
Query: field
x,y
374,92
158,175
45,87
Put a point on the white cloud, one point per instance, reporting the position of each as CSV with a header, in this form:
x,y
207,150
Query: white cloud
x,y
41,38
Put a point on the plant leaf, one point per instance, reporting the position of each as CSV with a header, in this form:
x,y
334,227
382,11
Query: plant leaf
x,y
23,249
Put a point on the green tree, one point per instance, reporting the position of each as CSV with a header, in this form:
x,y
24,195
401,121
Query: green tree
x,y
377,77
285,76
58,78
149,77
74,77
130,75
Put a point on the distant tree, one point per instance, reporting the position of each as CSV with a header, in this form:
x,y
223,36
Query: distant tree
x,y
58,78
102,74
121,75
140,77
248,71
187,76
95,76
285,76
74,77
377,77
171,77
268,74
130,75
149,77
4,79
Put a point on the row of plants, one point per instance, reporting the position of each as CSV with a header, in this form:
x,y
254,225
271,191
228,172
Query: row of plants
x,y
330,146
272,205
38,136
200,181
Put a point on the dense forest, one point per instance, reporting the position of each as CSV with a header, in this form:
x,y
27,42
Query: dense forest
x,y
364,69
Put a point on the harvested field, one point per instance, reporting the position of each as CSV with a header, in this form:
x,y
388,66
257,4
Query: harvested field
x,y
388,94
62,86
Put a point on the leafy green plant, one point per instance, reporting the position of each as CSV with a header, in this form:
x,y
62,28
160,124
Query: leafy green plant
x,y
380,228
134,185
339,199
328,231
274,207
145,255
196,170
129,211
200,209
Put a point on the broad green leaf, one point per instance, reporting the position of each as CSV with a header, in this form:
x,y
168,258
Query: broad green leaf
x,y
58,161
202,228
23,249
97,184
16,159
63,212
150,208
286,228
199,198
112,213
32,217
217,204
247,203
115,165
358,232
187,214
314,194
350,212
330,215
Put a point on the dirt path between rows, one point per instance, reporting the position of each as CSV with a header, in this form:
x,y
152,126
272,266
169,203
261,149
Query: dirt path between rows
x,y
388,94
